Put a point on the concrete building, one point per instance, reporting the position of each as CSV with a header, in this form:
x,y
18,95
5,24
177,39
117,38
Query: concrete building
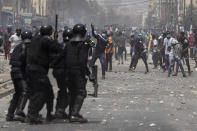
x,y
194,2
40,7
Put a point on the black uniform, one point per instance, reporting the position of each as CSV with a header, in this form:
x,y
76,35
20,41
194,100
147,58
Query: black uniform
x,y
185,53
76,58
18,75
140,52
37,69
60,75
76,70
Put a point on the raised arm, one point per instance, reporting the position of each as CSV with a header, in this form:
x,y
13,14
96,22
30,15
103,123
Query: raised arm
x,y
93,32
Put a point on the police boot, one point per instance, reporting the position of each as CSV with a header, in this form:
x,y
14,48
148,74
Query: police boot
x,y
11,109
50,117
9,117
75,117
21,106
33,119
61,114
78,119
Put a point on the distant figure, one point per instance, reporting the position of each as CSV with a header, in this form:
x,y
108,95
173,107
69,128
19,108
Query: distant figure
x,y
15,39
6,43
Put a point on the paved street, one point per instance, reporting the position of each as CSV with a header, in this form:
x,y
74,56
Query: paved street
x,y
129,101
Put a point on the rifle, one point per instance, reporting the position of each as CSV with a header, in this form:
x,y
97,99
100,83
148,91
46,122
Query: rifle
x,y
56,27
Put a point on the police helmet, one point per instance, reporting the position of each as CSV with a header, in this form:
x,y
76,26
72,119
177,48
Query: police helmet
x,y
67,34
79,30
46,30
26,35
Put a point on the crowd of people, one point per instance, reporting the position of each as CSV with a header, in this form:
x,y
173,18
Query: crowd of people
x,y
32,54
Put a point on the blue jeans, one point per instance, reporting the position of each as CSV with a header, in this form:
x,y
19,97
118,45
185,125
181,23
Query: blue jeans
x,y
101,57
179,64
170,65
131,51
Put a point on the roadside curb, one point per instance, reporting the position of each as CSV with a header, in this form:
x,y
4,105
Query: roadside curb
x,y
6,93
7,90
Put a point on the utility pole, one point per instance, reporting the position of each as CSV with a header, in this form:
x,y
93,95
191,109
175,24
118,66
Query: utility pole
x,y
176,14
191,13
160,9
0,11
184,14
167,11
17,8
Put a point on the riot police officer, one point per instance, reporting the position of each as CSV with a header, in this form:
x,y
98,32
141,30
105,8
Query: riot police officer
x,y
140,52
18,75
76,56
37,69
59,74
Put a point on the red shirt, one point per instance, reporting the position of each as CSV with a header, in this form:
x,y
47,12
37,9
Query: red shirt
x,y
192,39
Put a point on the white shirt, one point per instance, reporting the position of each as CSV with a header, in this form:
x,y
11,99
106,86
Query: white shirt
x,y
155,45
167,43
15,40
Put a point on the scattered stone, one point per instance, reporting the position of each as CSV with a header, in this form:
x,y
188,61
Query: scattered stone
x,y
115,104
140,124
104,122
191,87
181,95
161,102
126,121
171,94
4,126
127,107
178,108
152,125
115,110
93,100
183,102
131,102
108,113
100,109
